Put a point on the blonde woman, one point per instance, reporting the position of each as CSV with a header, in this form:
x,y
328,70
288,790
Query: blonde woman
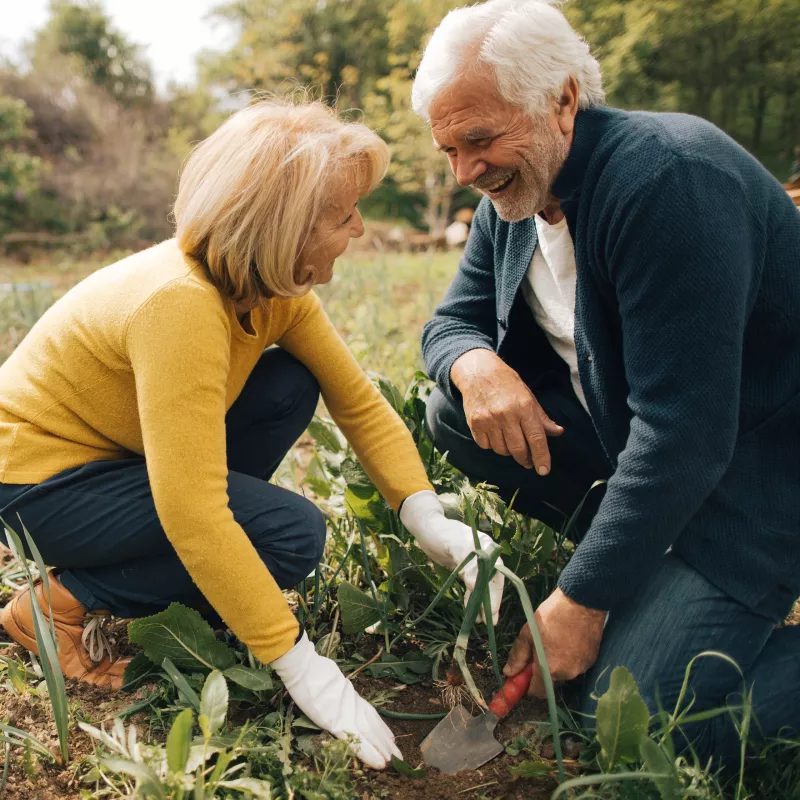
x,y
141,418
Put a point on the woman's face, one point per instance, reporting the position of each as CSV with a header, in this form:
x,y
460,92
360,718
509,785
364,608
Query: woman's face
x,y
339,222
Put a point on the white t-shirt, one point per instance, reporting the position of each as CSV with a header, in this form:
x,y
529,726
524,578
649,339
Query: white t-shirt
x,y
549,289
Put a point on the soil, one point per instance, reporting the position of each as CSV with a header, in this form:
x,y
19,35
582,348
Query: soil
x,y
53,781
493,780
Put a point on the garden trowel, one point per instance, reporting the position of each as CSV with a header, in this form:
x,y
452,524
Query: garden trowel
x,y
461,741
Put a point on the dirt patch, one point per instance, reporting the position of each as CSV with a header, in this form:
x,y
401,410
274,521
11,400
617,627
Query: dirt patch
x,y
493,780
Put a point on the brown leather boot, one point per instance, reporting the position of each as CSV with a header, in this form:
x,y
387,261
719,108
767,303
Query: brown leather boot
x,y
83,649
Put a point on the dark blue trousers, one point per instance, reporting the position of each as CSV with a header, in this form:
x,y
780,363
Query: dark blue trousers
x,y
678,613
97,524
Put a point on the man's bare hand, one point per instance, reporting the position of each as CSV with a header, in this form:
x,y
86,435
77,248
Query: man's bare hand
x,y
502,412
571,635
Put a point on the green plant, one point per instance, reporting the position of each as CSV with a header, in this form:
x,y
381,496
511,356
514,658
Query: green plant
x,y
45,637
201,766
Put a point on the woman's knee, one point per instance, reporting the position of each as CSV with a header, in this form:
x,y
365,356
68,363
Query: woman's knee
x,y
293,540
298,384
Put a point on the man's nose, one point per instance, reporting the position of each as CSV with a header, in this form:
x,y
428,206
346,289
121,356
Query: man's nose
x,y
467,170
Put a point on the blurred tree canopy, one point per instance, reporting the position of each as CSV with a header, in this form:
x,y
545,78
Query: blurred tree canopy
x,y
87,145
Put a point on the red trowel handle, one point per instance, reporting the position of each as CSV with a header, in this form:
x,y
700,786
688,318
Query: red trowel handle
x,y
511,693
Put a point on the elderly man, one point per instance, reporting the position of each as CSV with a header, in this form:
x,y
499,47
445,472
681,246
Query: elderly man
x,y
627,308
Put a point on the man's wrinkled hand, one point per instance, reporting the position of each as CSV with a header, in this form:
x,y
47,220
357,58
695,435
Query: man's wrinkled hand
x,y
502,412
571,635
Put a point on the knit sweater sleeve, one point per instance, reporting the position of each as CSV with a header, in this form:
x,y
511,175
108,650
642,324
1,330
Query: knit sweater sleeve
x,y
178,343
466,318
681,254
379,437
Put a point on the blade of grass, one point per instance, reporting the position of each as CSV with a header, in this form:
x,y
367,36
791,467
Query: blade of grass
x,y
617,777
406,628
484,575
45,641
541,657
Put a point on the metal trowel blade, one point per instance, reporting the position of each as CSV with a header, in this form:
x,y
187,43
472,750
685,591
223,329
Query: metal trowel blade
x,y
461,741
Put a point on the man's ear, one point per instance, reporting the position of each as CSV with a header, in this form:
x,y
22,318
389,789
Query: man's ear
x,y
567,106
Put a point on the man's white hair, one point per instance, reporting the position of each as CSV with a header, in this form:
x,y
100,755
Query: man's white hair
x,y
528,44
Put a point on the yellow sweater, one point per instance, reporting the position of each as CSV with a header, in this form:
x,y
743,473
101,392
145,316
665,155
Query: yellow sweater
x,y
146,357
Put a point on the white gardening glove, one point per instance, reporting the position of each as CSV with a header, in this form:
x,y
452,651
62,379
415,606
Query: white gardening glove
x,y
327,698
448,542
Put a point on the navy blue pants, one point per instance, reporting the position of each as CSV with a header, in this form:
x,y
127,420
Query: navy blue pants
x,y
97,524
674,617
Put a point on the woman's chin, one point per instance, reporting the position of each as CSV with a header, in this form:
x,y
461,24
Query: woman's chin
x,y
324,276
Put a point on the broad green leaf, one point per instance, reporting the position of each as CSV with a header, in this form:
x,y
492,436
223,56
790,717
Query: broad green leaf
x,y
358,506
392,395
179,741
185,691
622,720
657,763
304,722
316,479
324,436
257,680
182,635
214,701
532,769
406,769
140,668
357,479
358,608
407,669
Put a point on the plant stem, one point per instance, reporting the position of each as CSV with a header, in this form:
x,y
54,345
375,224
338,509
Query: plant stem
x,y
541,657
332,633
380,607
365,665
439,595
402,715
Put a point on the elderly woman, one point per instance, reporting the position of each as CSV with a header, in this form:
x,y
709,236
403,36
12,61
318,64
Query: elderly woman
x,y
143,415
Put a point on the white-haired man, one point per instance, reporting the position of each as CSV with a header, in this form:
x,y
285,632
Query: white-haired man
x,y
625,309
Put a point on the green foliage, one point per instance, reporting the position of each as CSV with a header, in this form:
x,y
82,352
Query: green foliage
x,y
84,31
401,767
407,669
20,172
357,607
181,634
45,634
622,720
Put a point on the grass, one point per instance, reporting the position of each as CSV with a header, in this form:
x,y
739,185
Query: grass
x,y
194,735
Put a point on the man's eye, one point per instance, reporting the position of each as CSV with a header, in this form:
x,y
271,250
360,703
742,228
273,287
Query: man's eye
x,y
483,142
347,220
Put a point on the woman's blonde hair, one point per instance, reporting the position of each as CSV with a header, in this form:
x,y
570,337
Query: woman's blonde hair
x,y
250,194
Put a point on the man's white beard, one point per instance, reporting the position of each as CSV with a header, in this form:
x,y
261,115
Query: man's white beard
x,y
546,155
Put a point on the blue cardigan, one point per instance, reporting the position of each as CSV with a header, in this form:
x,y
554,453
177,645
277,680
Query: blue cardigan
x,y
687,330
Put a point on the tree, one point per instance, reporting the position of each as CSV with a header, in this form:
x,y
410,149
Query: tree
x,y
19,171
83,31
337,46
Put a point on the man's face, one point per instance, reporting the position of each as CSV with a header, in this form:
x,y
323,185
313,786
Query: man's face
x,y
498,147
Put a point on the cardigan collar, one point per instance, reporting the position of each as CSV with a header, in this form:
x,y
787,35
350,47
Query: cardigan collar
x,y
590,126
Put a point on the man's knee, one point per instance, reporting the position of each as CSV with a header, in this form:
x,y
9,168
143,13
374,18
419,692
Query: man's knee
x,y
445,420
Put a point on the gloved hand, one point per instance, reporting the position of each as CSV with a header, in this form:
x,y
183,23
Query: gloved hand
x,y
327,698
447,542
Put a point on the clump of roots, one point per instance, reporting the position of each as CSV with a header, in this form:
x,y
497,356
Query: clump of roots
x,y
453,690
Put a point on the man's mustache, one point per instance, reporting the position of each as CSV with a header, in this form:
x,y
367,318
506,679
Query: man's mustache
x,y
490,178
